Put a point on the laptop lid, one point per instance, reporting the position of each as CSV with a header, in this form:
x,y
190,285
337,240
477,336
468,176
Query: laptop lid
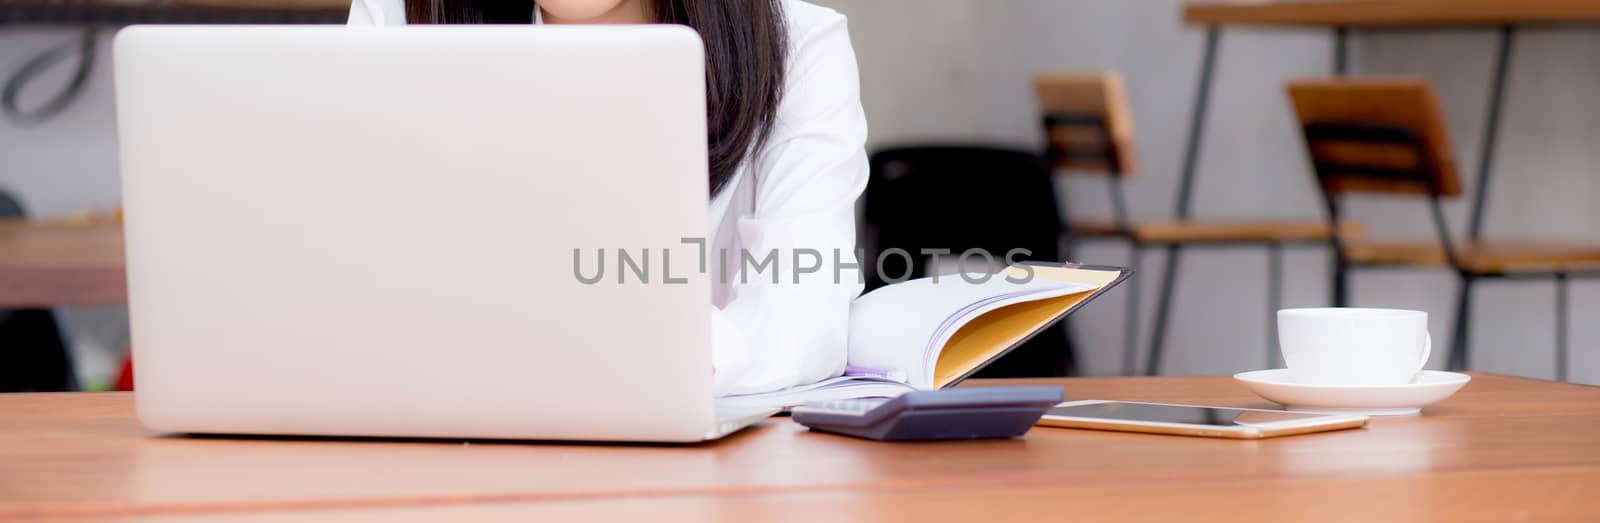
x,y
388,232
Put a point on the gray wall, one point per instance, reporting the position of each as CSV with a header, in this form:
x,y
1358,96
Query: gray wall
x,y
68,163
957,70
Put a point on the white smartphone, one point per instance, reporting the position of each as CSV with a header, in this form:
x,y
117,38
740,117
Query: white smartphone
x,y
1193,420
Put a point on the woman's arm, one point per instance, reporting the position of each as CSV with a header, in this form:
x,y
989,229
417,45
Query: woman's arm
x,y
377,12
807,179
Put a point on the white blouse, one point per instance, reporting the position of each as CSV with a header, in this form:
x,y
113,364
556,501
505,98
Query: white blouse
x,y
794,197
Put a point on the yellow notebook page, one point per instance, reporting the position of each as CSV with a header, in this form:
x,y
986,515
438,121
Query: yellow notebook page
x,y
988,335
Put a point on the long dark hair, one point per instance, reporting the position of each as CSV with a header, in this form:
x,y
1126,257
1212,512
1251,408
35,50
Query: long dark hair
x,y
746,51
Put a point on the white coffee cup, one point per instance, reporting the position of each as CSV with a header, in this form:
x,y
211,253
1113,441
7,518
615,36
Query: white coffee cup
x,y
1353,346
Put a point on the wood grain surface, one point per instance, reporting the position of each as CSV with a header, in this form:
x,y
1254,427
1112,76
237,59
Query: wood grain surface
x,y
50,264
85,456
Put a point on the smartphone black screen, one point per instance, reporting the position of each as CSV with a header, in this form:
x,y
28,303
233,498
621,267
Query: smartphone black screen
x,y
1221,417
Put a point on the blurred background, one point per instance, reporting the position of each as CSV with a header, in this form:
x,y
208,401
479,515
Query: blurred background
x,y
971,80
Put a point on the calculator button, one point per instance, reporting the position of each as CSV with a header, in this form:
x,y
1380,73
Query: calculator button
x,y
853,407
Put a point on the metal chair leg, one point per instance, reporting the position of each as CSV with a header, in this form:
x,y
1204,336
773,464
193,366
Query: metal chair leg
x,y
1069,363
1341,281
1561,326
1459,345
1163,311
1274,300
1130,335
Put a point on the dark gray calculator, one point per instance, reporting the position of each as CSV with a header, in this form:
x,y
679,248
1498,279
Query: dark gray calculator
x,y
967,413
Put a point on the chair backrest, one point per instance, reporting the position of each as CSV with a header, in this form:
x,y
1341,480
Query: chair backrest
x,y
1384,135
961,197
10,207
1086,122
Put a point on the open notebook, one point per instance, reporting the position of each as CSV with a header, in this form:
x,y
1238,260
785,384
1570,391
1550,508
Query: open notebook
x,y
927,334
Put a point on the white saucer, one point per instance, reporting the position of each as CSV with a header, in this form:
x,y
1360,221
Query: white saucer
x,y
1408,399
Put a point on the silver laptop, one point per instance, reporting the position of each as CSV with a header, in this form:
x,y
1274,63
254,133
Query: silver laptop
x,y
392,232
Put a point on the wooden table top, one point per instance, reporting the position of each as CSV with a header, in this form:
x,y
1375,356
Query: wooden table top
x,y
50,264
1502,448
1378,13
1539,495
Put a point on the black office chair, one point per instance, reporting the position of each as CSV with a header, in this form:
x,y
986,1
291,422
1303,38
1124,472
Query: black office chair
x,y
959,198
33,356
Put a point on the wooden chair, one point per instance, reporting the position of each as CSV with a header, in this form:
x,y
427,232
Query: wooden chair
x,y
34,356
1387,136
1089,131
956,198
